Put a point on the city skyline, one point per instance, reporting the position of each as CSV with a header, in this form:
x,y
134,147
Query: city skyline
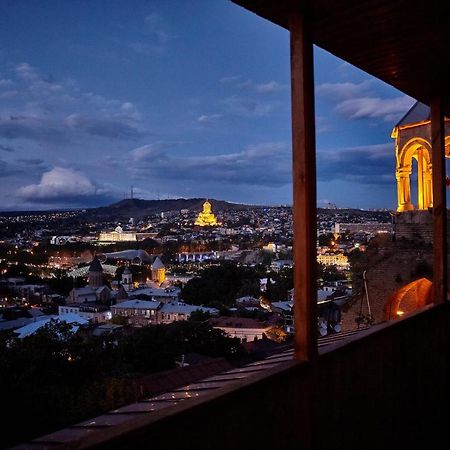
x,y
95,100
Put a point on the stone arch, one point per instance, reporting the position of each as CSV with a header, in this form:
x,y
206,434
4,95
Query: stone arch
x,y
420,150
409,298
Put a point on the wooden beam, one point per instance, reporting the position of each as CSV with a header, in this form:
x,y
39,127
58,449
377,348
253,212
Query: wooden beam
x,y
304,187
439,201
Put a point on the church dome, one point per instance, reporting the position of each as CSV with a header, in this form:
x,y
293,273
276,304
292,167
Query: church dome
x,y
118,229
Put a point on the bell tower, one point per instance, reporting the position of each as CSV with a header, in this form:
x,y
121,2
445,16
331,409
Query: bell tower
x,y
95,275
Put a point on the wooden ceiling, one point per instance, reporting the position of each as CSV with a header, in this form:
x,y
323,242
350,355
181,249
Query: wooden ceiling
x,y
405,43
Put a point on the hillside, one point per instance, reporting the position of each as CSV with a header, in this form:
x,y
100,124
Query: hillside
x,y
138,208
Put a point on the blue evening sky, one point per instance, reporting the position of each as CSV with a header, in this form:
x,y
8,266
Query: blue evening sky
x,y
179,98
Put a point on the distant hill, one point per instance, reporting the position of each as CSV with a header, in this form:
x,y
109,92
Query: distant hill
x,y
138,208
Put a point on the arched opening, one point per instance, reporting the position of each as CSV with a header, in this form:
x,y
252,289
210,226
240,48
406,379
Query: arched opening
x,y
409,298
415,154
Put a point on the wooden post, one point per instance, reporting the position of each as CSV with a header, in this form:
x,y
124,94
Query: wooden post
x,y
304,187
439,202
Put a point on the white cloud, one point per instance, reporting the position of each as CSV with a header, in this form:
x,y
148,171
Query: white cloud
x,y
389,109
209,118
249,85
99,126
59,183
359,101
342,91
230,79
271,86
148,152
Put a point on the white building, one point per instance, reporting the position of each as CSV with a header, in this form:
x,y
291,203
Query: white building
x,y
174,311
245,329
94,313
138,312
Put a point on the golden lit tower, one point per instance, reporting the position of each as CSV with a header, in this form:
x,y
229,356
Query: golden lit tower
x,y
206,217
158,270
413,153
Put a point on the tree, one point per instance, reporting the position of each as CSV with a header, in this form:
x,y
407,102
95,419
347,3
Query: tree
x,y
199,316
283,282
221,284
119,320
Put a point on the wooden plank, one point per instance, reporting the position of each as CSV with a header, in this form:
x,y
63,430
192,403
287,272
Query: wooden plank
x,y
439,202
304,188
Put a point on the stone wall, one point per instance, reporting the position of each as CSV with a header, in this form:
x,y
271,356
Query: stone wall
x,y
391,264
416,226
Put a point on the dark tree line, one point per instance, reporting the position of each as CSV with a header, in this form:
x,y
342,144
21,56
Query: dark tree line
x,y
220,285
55,378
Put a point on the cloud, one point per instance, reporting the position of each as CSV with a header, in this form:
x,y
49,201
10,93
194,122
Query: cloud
x,y
369,165
230,79
32,162
389,109
209,118
62,185
248,107
30,127
266,164
359,101
259,88
36,83
342,91
144,48
46,110
155,25
105,127
271,86
149,152
7,169
155,36
4,148
5,82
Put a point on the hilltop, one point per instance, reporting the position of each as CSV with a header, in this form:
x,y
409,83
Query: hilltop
x,y
138,208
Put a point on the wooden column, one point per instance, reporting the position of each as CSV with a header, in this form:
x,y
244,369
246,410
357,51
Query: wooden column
x,y
439,202
304,186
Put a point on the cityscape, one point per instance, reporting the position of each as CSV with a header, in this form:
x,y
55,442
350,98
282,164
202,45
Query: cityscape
x,y
187,233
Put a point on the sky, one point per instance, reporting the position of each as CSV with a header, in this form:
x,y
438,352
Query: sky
x,y
176,98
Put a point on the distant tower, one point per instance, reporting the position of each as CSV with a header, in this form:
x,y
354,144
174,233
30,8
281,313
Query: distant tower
x,y
121,295
131,192
127,279
95,274
158,271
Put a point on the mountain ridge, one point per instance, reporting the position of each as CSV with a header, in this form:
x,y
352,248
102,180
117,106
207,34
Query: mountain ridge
x,y
138,207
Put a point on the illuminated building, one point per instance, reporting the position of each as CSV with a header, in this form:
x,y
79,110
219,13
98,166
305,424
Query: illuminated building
x,y
95,291
206,217
333,259
127,279
367,227
118,235
158,271
413,143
